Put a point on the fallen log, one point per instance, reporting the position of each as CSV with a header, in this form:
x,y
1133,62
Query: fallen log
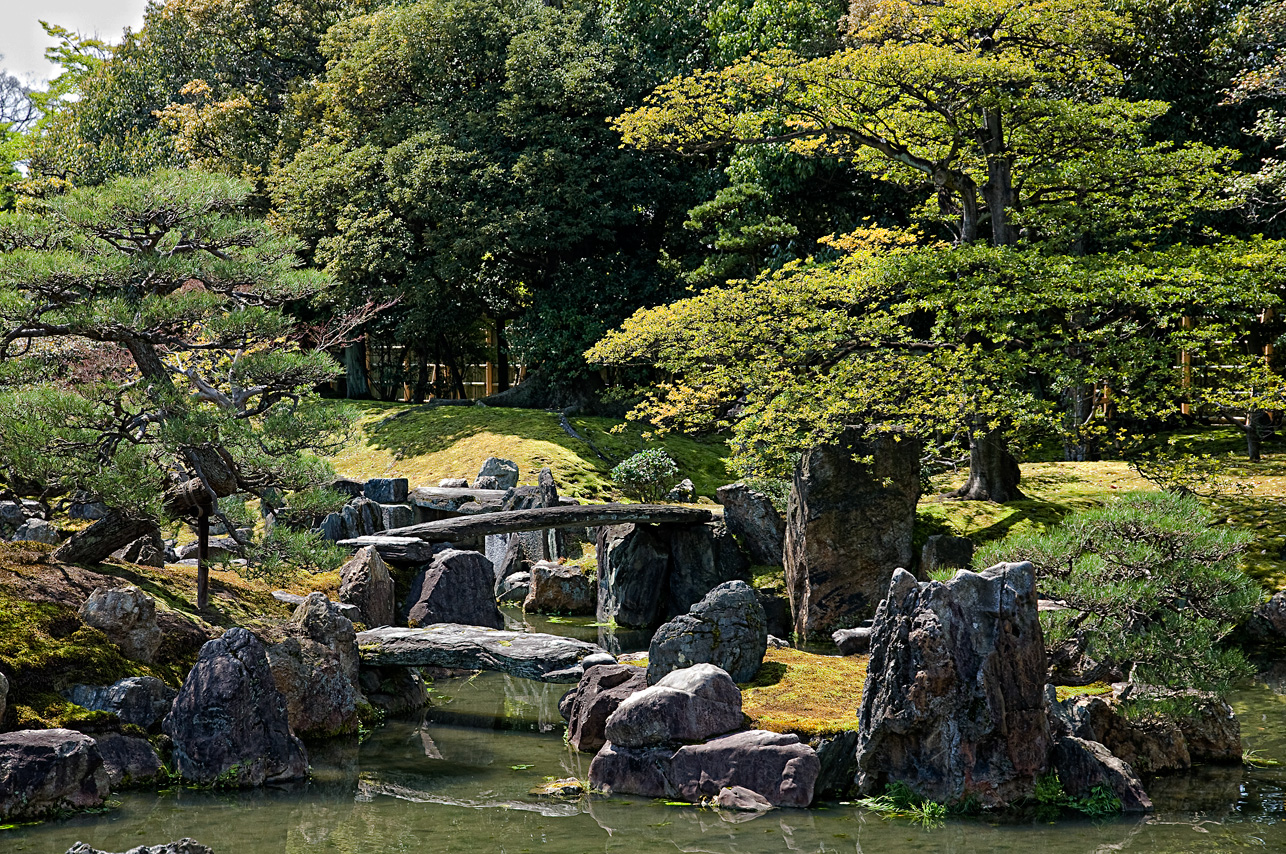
x,y
530,655
540,518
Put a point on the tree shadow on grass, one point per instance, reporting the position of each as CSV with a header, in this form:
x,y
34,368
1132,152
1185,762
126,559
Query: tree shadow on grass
x,y
770,673
1038,513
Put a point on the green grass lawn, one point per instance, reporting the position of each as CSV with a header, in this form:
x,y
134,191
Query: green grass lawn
x,y
427,444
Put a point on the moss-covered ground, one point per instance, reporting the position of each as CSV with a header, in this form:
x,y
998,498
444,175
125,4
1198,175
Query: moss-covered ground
x,y
805,693
1056,489
45,648
426,444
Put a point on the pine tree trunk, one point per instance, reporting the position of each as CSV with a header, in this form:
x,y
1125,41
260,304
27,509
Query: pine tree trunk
x,y
993,471
97,542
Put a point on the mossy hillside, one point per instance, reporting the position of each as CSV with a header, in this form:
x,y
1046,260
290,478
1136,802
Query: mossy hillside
x,y
804,693
426,444
45,648
1056,489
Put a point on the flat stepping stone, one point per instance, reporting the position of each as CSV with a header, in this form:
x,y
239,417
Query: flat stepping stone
x,y
530,655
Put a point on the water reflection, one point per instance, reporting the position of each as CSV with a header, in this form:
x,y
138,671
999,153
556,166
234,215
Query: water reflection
x,y
458,779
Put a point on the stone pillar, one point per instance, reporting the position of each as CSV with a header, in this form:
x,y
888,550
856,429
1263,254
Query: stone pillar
x,y
954,703
848,526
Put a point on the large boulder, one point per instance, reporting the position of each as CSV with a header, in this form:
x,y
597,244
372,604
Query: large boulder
x,y
775,765
129,761
229,723
47,771
316,670
687,705
127,616
1083,765
727,629
701,558
752,518
504,472
140,700
457,587
1210,729
954,704
848,527
36,530
386,490
633,575
559,589
365,582
181,846
600,691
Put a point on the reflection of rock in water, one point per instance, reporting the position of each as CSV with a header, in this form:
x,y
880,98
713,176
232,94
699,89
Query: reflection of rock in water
x,y
333,765
313,824
1211,789
536,701
617,640
844,829
426,791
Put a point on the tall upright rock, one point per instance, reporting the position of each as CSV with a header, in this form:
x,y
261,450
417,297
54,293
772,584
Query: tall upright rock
x,y
848,526
954,703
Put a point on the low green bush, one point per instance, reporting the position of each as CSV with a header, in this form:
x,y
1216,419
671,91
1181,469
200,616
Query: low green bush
x,y
1152,587
647,476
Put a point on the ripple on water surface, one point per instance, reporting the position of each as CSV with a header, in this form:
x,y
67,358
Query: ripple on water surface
x,y
458,781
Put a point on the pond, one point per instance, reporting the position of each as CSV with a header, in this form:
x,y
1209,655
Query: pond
x,y
458,781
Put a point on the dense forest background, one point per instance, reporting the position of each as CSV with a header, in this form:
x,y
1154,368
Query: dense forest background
x,y
991,223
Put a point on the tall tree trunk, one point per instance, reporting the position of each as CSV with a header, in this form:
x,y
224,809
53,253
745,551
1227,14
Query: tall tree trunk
x,y
999,189
355,379
1255,423
421,376
993,471
502,356
1078,446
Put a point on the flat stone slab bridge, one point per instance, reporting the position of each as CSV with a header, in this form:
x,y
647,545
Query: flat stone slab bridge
x,y
414,543
530,655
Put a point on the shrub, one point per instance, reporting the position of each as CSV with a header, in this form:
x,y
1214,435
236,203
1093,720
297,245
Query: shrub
x,y
284,552
647,476
1152,588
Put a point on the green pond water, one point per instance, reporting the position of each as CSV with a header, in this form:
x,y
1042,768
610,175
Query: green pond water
x,y
457,780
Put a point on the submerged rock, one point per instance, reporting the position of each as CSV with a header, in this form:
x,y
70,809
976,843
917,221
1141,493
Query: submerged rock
x,y
139,700
599,693
127,616
954,704
514,587
726,629
741,798
229,723
48,770
182,846
774,765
